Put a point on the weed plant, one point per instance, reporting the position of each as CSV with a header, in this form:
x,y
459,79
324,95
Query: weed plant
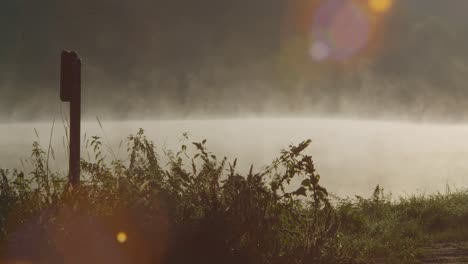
x,y
199,209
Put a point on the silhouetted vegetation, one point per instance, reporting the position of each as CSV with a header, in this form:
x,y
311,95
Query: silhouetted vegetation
x,y
200,209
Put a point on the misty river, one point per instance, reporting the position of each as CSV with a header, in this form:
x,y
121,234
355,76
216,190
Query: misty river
x,y
352,156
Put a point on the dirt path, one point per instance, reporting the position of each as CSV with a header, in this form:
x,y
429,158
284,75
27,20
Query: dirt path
x,y
446,253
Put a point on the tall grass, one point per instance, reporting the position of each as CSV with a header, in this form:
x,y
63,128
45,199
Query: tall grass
x,y
199,209
397,230
193,209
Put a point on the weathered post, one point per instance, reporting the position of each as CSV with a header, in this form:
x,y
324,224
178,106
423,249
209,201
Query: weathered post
x,y
70,91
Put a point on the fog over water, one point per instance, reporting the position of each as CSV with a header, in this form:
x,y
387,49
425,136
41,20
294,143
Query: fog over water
x,y
352,156
234,63
182,58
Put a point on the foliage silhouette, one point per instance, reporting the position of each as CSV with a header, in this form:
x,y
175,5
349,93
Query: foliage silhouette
x,y
195,209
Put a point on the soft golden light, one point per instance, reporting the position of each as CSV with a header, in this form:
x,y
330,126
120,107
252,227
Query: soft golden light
x,y
380,5
121,237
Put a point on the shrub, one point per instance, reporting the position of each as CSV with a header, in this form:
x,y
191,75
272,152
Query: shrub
x,y
193,210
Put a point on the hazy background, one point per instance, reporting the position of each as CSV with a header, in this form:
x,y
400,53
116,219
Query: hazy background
x,y
251,76
164,59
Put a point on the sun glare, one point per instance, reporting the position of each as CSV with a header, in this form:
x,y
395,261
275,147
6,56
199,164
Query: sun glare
x,y
121,237
380,6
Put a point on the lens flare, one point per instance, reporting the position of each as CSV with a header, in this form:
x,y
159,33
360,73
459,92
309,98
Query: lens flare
x,y
319,51
121,237
380,6
341,29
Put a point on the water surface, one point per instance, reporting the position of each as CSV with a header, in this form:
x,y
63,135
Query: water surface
x,y
352,156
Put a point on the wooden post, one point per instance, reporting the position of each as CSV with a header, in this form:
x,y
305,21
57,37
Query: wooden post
x,y
70,91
